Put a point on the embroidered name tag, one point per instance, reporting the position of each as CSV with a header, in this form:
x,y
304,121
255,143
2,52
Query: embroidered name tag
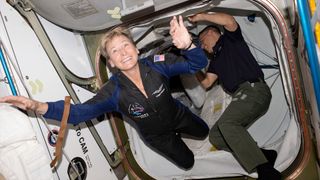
x,y
158,58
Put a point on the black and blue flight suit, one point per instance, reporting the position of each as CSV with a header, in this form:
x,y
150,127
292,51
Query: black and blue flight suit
x,y
159,117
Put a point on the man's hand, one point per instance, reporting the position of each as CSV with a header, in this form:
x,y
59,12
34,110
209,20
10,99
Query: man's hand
x,y
195,18
223,19
206,79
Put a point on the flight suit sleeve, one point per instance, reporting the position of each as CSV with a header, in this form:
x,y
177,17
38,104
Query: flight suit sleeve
x,y
94,107
188,61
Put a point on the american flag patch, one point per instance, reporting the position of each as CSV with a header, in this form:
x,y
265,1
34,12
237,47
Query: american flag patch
x,y
158,58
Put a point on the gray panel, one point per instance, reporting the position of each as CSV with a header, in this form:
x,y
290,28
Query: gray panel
x,y
93,15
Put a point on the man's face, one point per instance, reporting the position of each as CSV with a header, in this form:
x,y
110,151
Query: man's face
x,y
209,39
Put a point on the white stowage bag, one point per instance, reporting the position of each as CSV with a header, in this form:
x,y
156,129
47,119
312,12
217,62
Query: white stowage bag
x,y
215,103
21,155
194,89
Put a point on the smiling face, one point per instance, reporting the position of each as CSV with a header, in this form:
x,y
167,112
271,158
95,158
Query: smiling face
x,y
122,53
118,47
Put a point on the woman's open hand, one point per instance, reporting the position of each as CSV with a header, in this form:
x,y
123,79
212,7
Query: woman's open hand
x,y
179,33
25,103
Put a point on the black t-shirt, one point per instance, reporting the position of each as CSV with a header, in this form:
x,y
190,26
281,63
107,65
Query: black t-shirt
x,y
233,62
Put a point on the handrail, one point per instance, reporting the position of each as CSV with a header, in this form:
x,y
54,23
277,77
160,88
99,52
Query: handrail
x,y
304,14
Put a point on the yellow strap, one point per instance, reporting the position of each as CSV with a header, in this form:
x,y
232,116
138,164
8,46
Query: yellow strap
x,y
313,7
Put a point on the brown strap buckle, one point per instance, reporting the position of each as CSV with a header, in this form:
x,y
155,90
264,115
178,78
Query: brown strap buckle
x,y
63,125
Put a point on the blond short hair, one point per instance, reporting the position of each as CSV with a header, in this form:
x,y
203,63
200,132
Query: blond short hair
x,y
108,36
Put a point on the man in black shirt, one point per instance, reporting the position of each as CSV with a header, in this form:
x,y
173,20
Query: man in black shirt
x,y
240,75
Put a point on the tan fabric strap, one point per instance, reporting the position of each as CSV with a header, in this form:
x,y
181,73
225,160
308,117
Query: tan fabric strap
x,y
63,125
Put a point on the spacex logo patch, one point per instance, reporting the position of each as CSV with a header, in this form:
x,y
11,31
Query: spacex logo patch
x,y
159,91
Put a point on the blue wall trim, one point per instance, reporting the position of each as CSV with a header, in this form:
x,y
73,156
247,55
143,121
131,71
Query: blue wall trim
x,y
7,73
305,20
